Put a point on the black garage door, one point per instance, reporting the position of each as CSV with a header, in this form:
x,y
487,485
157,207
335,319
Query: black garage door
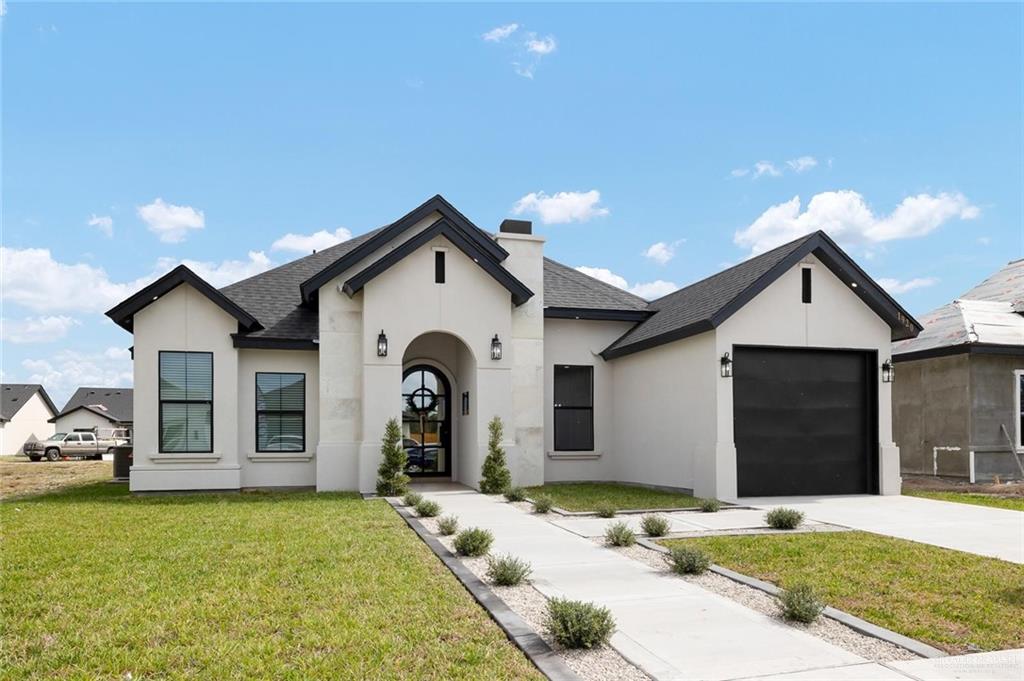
x,y
804,422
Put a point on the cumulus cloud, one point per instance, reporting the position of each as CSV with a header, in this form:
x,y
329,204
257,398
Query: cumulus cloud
x,y
846,216
104,223
36,329
804,163
606,275
171,223
66,370
221,273
307,243
896,286
562,207
496,35
647,290
541,46
662,252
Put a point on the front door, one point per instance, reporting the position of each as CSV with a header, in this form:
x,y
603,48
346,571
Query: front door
x,y
426,421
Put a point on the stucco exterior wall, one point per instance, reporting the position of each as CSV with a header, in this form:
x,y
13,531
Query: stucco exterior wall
x,y
30,423
82,418
931,404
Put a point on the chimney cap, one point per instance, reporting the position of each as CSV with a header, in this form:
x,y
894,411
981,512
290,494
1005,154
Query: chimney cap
x,y
516,227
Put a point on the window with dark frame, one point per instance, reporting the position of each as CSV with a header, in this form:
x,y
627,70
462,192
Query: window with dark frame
x,y
186,402
805,273
280,412
438,267
574,408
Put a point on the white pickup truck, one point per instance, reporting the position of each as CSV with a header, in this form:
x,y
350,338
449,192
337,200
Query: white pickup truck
x,y
81,444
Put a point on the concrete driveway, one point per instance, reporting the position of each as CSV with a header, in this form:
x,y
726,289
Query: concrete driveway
x,y
994,532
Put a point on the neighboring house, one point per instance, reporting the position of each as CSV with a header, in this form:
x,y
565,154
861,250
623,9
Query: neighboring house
x,y
762,379
25,413
957,399
99,408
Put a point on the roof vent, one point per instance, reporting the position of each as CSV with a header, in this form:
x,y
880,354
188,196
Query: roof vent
x,y
516,227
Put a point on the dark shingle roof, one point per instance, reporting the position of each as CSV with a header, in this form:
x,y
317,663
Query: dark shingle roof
x,y
14,396
114,404
566,287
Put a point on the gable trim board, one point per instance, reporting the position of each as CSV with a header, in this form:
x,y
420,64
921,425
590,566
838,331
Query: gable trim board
x,y
965,348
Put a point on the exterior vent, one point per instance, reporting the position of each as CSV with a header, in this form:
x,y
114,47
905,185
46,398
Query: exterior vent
x,y
516,227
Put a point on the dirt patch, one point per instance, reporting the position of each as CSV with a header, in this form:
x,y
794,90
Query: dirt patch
x,y
20,478
929,483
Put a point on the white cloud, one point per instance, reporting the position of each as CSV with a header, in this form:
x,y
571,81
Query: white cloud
x,y
541,46
562,207
104,223
846,217
648,290
36,329
662,252
605,275
66,370
740,172
171,223
117,353
496,35
802,164
307,243
222,273
762,168
896,286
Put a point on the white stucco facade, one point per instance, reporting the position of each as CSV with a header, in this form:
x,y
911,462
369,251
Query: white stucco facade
x,y
29,423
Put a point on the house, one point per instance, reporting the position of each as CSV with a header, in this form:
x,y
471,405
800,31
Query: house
x,y
25,413
957,403
96,408
764,379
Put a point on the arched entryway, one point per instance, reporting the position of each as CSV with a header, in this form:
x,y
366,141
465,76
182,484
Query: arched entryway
x,y
426,421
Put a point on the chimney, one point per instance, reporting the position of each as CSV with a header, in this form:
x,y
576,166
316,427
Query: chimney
x,y
516,227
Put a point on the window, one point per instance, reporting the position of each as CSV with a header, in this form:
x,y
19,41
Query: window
x,y
438,267
186,402
280,412
73,438
806,281
574,408
1018,404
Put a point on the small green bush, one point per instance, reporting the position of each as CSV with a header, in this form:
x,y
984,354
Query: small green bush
x,y
495,477
447,525
710,505
619,534
801,603
515,494
507,570
543,503
412,498
575,624
685,560
473,542
605,511
782,518
427,508
655,525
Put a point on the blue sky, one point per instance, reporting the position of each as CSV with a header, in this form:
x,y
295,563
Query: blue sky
x,y
207,133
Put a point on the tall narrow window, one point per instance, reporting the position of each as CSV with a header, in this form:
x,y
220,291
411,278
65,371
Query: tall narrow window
x,y
806,274
438,267
186,402
574,408
280,412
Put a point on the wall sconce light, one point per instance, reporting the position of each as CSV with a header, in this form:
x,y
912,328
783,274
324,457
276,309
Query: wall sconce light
x,y
382,344
888,371
465,403
726,363
495,348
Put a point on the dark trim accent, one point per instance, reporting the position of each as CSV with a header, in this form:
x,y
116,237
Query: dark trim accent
x,y
676,334
596,314
436,204
962,349
123,312
242,341
443,227
555,408
258,411
446,422
805,284
439,267
160,404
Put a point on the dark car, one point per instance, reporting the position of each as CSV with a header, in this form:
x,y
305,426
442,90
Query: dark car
x,y
420,457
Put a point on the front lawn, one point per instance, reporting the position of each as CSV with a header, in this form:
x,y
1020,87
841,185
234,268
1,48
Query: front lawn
x,y
945,598
95,583
1013,503
587,496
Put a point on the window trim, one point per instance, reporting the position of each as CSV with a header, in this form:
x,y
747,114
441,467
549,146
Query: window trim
x,y
1018,374
257,411
557,407
160,404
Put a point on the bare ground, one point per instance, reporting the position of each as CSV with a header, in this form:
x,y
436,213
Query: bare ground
x,y
928,483
23,477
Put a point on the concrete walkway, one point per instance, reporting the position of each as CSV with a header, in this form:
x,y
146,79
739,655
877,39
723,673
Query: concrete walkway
x,y
994,532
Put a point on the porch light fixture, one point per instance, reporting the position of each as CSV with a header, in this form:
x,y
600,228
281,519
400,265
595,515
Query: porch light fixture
x,y
888,371
726,364
495,348
382,344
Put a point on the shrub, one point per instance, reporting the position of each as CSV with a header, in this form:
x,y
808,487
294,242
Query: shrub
x,y
782,518
575,624
605,511
543,503
391,478
427,508
801,603
447,525
655,525
685,560
412,498
619,534
710,505
507,570
473,542
495,477
515,494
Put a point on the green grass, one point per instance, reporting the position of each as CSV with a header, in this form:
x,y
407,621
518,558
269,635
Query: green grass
x,y
95,583
1011,503
587,496
946,598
